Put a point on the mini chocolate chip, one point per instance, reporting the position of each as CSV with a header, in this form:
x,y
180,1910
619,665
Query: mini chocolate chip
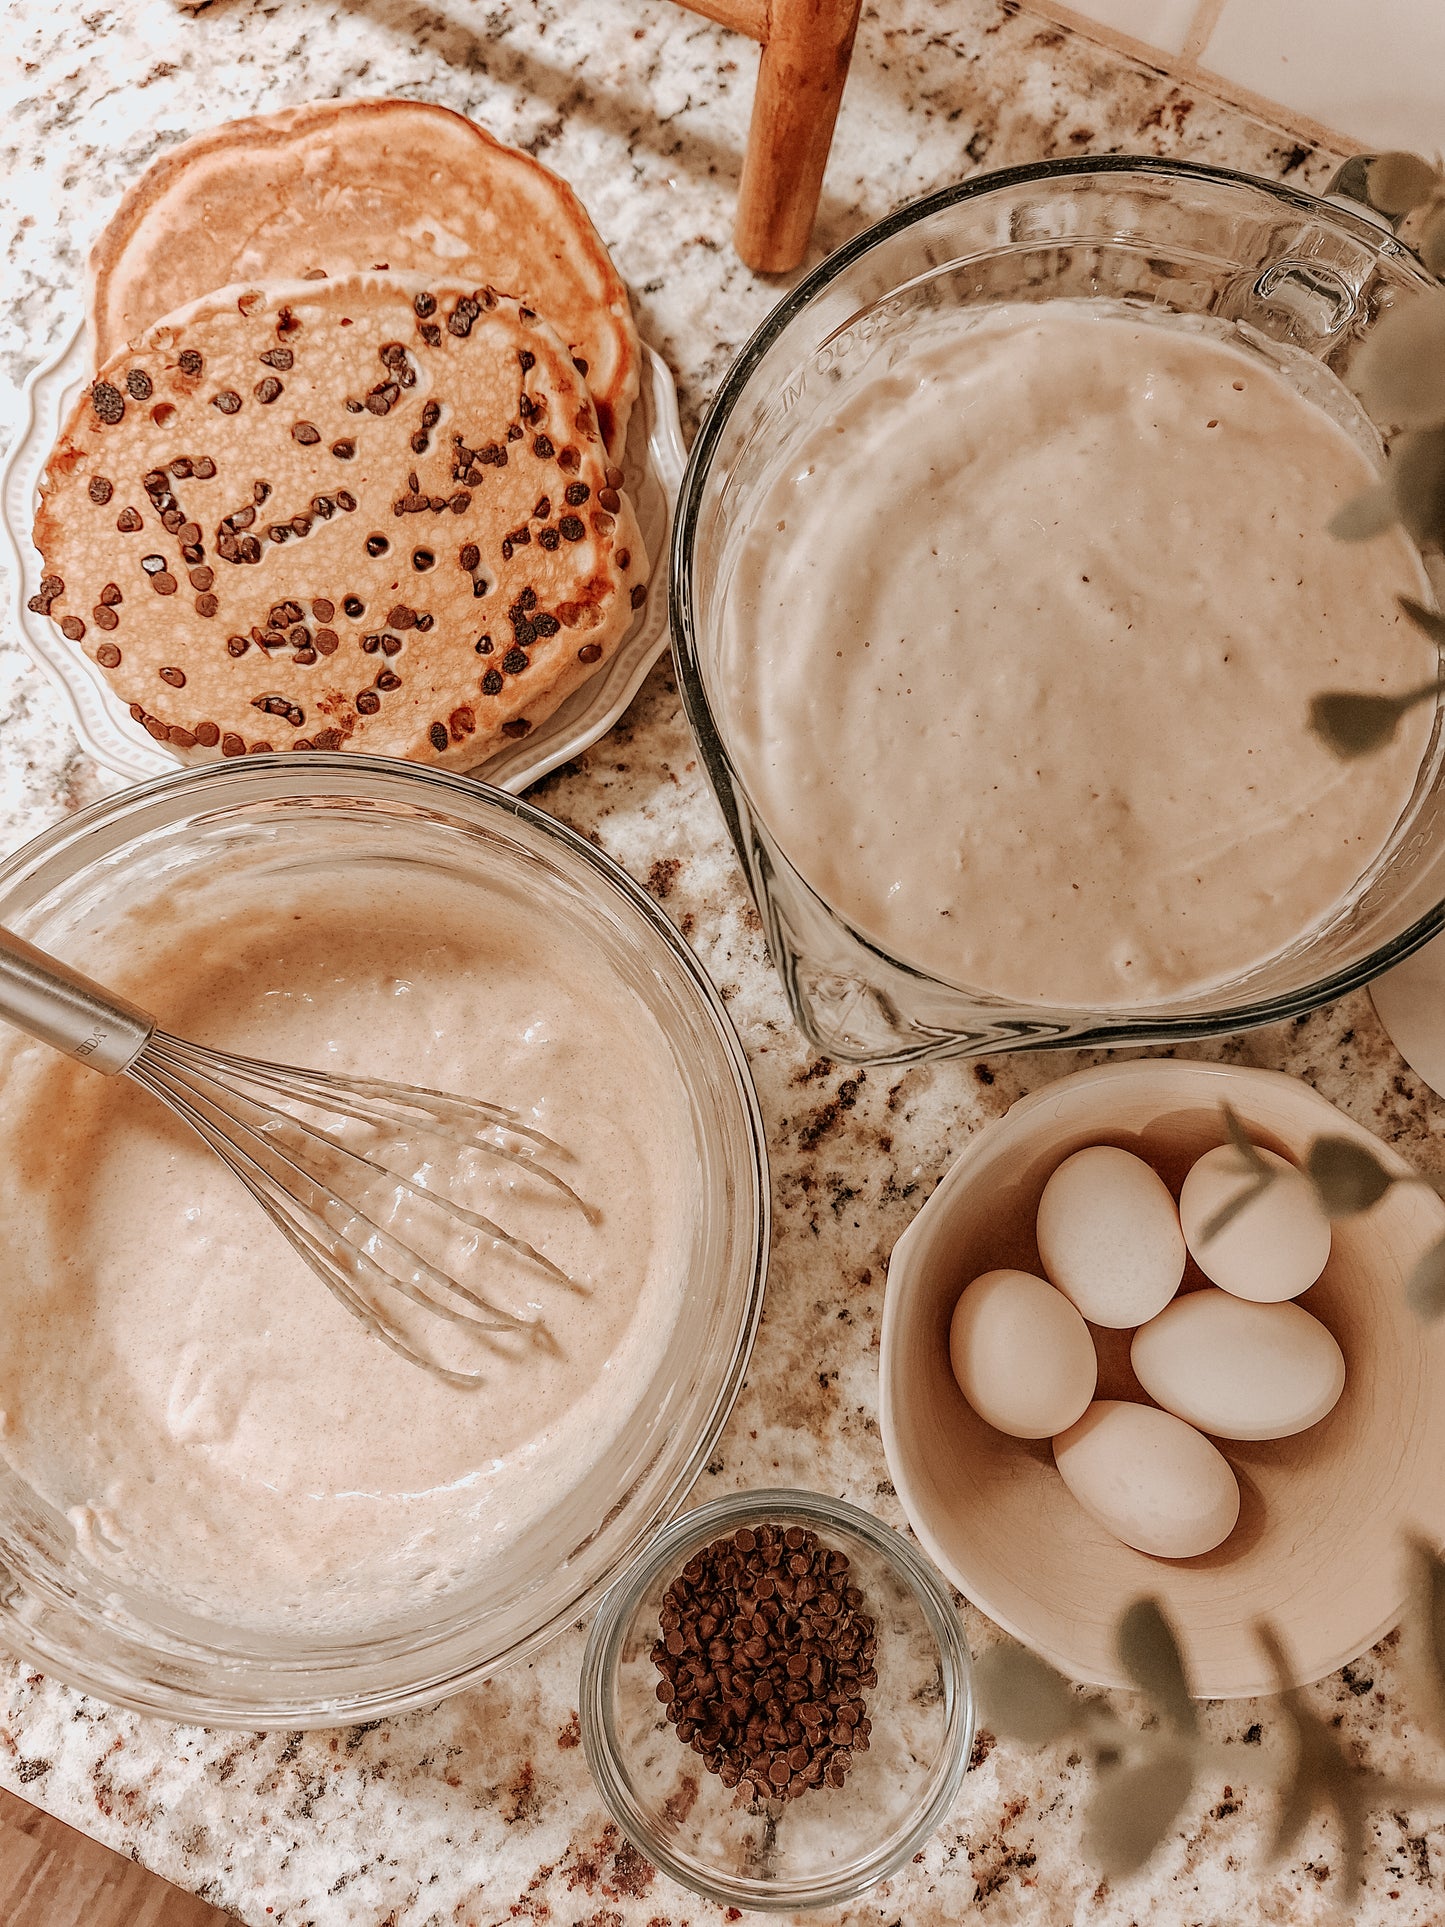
x,y
515,661
207,735
101,490
307,433
72,628
138,385
387,679
571,527
279,532
323,608
155,727
189,532
543,507
203,468
438,735
175,677
609,499
237,645
624,558
614,476
128,521
181,468
390,645
370,644
580,364
228,401
639,595
400,617
527,359
161,414
377,545
519,726
577,493
420,442
545,625
108,656
190,361
353,605
324,506
301,524
514,432
569,460
590,652
345,500
431,414
105,618
424,621
424,304
430,333
484,645
267,389
260,491
181,736
202,578
164,583
277,358
423,559
549,539
206,605
110,595
602,522
232,744
326,641
492,683
368,702
326,739
542,448
460,502
470,556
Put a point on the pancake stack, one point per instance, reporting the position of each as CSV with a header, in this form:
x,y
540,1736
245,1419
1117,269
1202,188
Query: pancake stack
x,y
347,476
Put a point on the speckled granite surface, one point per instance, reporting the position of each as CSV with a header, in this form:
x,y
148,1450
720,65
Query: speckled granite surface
x,y
481,1811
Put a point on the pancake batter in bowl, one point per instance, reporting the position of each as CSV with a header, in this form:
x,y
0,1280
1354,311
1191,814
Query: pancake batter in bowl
x,y
1019,652
221,1433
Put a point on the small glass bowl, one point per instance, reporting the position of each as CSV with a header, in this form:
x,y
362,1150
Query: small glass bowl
x,y
830,1844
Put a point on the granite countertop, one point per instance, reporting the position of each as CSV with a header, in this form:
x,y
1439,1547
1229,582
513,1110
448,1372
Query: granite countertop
x,y
481,1811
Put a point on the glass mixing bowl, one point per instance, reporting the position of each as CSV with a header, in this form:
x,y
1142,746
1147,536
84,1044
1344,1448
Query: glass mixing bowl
x,y
1299,278
831,1844
315,816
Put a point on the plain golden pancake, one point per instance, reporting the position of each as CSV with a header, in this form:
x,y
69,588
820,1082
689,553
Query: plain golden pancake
x,y
342,186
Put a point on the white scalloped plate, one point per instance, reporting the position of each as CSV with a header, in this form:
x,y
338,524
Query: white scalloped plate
x,y
653,465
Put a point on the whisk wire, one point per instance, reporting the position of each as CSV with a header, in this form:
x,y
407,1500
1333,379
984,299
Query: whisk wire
x,y
426,1284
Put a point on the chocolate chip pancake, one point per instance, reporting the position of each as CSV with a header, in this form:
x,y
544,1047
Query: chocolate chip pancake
x,y
364,513
341,186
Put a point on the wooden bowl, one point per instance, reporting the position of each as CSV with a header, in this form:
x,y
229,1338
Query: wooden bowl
x,y
1318,1546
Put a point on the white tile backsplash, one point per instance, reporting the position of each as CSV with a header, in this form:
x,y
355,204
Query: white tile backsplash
x,y
1374,72
1163,24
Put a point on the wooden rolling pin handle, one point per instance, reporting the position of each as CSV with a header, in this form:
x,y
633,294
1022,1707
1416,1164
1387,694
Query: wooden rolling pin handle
x,y
800,83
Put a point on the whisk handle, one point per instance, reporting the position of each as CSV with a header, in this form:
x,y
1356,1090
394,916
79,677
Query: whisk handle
x,y
60,1007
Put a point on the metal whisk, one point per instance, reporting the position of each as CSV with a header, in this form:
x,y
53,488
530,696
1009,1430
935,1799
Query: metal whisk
x,y
330,1198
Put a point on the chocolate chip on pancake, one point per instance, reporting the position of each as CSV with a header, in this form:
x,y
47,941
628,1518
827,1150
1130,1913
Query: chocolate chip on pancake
x,y
319,188
319,616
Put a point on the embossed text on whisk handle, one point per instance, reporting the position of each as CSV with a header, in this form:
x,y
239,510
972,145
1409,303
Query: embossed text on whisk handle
x,y
62,1008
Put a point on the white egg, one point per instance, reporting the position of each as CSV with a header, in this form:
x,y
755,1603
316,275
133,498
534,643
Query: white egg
x,y
1239,1370
1022,1355
1149,1478
1109,1236
1275,1247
